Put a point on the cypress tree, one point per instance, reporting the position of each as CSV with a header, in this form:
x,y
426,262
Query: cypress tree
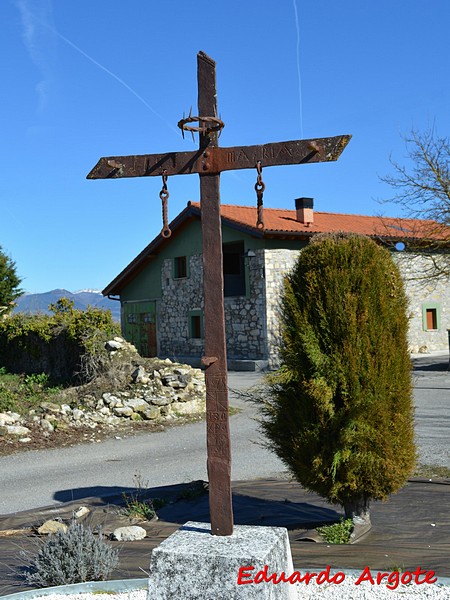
x,y
340,415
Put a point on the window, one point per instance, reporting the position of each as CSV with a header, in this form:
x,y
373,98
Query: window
x,y
180,267
234,269
196,324
431,316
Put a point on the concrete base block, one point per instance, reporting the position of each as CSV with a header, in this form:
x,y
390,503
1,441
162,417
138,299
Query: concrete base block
x,y
192,564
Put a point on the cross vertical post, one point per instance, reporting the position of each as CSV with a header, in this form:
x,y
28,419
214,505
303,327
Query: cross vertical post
x,y
215,359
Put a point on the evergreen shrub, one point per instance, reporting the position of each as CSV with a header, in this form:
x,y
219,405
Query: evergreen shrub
x,y
340,412
67,344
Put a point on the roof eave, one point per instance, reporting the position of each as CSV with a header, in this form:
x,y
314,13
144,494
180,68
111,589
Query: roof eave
x,y
148,253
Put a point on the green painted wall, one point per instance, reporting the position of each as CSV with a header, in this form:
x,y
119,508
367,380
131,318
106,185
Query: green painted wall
x,y
147,284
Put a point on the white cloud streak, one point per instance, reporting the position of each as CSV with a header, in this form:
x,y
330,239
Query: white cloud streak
x,y
300,99
114,76
36,18
36,21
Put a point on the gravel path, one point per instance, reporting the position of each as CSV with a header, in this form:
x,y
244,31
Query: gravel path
x,y
347,590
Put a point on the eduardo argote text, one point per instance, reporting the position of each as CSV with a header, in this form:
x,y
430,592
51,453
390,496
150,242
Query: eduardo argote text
x,y
391,580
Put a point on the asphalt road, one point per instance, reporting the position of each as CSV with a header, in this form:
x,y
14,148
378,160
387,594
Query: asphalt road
x,y
432,399
40,478
35,479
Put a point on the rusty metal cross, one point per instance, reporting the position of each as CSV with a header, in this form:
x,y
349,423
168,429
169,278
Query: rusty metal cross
x,y
209,161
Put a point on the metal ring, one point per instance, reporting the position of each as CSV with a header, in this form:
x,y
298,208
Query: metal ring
x,y
218,124
164,194
166,232
260,186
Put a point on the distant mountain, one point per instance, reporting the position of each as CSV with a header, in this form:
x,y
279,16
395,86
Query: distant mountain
x,y
39,303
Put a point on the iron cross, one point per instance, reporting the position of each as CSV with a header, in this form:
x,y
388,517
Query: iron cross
x,y
209,161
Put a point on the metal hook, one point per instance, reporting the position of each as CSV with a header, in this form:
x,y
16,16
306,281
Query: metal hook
x,y
164,195
259,188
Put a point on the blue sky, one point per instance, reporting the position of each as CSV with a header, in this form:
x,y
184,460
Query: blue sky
x,y
86,79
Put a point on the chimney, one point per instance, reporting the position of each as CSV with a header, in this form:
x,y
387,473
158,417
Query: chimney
x,y
304,209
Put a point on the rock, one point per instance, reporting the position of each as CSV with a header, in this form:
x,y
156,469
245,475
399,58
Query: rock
x,y
137,404
139,375
51,527
65,409
181,371
161,400
9,418
46,425
25,440
81,512
151,414
190,407
89,400
13,430
124,411
110,400
50,407
97,418
113,345
77,414
129,534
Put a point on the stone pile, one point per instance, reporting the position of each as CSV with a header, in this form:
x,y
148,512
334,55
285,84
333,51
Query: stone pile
x,y
158,390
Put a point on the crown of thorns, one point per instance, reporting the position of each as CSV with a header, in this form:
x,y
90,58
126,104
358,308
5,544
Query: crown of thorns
x,y
206,125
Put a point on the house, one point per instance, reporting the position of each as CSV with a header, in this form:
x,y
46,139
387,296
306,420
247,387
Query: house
x,y
160,291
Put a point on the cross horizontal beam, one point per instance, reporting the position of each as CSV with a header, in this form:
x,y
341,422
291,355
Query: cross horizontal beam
x,y
214,159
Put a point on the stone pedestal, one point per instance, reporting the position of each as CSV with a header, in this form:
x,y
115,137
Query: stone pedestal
x,y
192,564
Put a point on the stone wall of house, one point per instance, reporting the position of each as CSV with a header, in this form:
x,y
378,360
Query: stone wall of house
x,y
244,316
179,296
278,263
434,293
245,323
422,293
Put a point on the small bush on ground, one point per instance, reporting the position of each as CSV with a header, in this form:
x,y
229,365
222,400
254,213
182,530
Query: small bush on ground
x,y
19,393
141,508
136,503
74,556
337,533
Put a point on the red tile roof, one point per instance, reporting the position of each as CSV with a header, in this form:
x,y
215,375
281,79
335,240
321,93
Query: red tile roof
x,y
283,221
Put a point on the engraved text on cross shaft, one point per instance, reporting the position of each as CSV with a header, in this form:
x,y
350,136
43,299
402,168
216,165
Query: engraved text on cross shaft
x,y
209,161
